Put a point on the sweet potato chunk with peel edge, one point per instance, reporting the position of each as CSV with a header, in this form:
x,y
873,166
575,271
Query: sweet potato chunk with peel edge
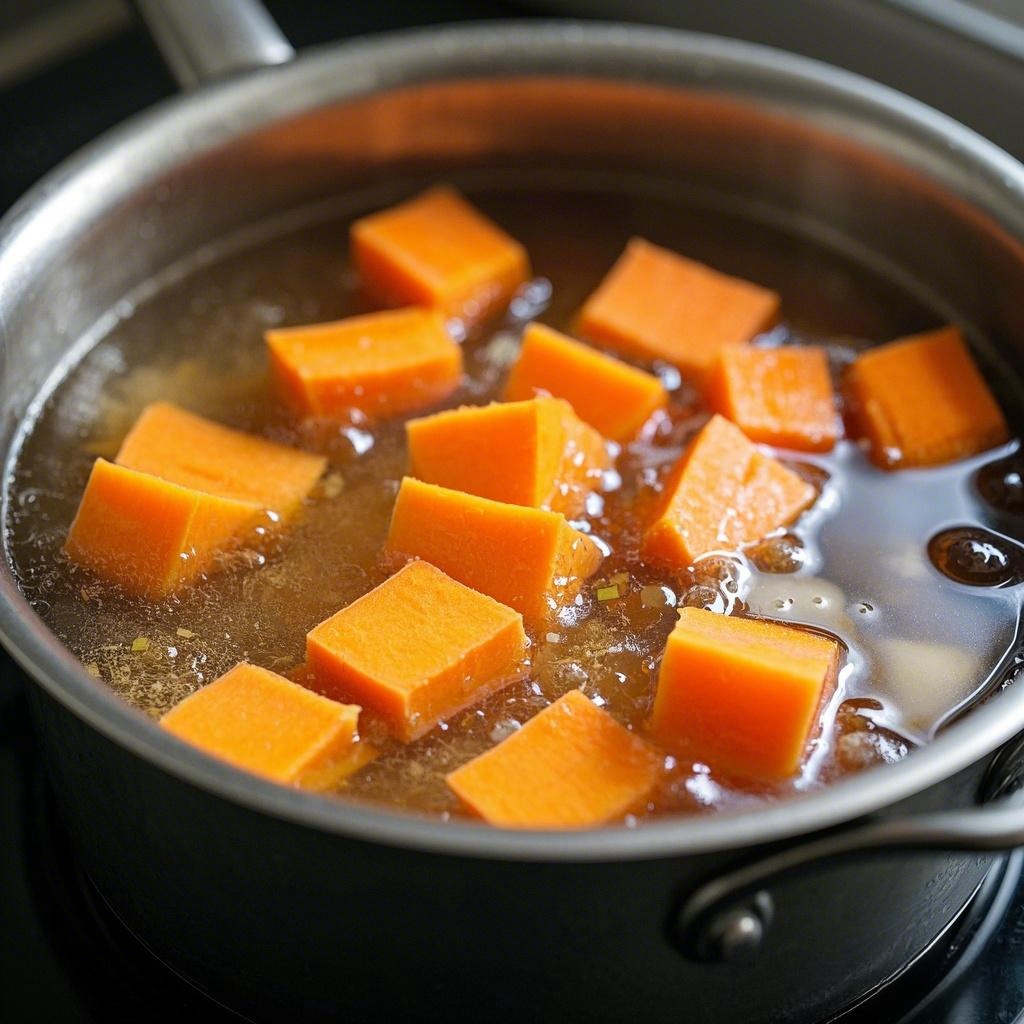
x,y
724,494
268,725
529,559
534,453
194,452
382,364
570,766
921,401
417,649
151,536
742,695
614,398
656,304
779,396
437,250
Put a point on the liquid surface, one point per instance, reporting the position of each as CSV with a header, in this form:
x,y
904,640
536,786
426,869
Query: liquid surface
x,y
920,644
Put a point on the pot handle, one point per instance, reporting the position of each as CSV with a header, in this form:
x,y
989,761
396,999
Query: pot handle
x,y
202,40
728,917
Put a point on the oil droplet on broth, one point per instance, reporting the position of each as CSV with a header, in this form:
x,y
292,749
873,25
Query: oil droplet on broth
x,y
977,557
199,343
1001,484
784,554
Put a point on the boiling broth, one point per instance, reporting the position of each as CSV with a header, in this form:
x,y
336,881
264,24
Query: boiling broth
x,y
918,645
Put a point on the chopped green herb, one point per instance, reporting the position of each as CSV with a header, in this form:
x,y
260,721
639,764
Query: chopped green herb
x,y
140,644
185,634
607,593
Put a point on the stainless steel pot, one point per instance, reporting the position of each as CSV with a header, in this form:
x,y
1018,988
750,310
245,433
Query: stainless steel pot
x,y
282,901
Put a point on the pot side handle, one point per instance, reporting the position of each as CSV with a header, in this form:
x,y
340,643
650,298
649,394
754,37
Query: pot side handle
x,y
728,916
203,40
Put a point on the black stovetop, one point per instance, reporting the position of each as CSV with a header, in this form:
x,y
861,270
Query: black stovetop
x,y
64,957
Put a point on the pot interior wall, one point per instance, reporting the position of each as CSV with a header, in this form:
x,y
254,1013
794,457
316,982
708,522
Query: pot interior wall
x,y
108,238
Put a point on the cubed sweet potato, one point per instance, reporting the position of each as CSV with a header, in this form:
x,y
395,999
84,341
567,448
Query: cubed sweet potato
x,y
536,452
417,649
570,766
742,695
778,396
527,558
723,494
921,401
381,364
195,452
268,725
616,399
150,536
437,250
655,304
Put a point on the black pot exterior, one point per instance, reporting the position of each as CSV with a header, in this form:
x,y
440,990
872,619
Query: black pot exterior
x,y
282,903
278,918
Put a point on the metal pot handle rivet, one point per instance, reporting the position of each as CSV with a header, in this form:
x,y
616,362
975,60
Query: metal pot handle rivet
x,y
728,916
732,935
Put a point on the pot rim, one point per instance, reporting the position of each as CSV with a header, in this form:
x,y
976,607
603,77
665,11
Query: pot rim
x,y
946,151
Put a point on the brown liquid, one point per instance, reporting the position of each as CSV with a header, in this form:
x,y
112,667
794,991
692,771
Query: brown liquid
x,y
857,565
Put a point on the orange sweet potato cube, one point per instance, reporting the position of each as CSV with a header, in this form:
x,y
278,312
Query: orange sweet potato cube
x,y
536,452
437,250
742,695
527,558
655,304
571,766
194,452
779,396
183,490
723,494
616,399
382,364
417,649
268,725
921,401
150,536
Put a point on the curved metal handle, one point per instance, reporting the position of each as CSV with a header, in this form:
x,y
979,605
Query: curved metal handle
x,y
729,916
206,39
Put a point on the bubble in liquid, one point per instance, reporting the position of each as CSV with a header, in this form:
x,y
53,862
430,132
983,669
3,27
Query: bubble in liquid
x,y
1001,484
977,557
862,742
783,554
856,751
503,729
531,300
669,376
723,572
703,596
